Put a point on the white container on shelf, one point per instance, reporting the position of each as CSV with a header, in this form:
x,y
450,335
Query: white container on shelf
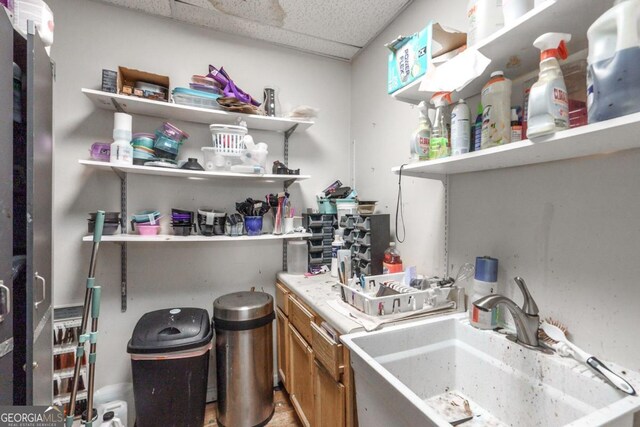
x,y
514,9
38,12
484,17
496,118
460,128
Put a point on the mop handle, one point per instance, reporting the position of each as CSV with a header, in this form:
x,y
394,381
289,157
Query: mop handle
x,y
88,296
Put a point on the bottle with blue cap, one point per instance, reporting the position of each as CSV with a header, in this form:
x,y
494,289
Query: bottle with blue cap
x,y
485,283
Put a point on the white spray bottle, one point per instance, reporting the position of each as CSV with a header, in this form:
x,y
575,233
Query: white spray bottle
x,y
420,138
548,100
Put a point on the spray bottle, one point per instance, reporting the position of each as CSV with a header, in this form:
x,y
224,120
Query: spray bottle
x,y
548,109
439,145
422,135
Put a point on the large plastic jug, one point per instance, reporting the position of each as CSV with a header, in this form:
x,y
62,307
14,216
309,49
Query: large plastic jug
x,y
613,75
484,17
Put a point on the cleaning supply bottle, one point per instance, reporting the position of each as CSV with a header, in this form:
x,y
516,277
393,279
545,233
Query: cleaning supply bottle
x,y
548,109
422,135
477,135
496,115
336,245
391,261
121,149
439,145
613,72
460,130
484,17
485,283
516,125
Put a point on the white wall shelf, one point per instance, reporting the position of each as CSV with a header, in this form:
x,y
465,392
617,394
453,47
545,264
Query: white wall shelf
x,y
511,48
170,111
594,139
168,238
188,174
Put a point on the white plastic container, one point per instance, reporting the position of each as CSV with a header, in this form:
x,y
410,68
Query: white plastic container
x,y
613,77
496,117
345,207
121,149
484,283
514,9
460,128
228,139
38,12
548,109
484,17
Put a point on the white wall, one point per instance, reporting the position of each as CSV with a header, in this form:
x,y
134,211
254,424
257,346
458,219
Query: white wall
x,y
381,128
569,228
91,36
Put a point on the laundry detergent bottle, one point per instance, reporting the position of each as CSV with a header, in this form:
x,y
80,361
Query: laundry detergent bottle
x,y
422,135
548,109
613,73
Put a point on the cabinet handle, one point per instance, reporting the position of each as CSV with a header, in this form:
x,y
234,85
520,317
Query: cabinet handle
x,y
44,289
5,308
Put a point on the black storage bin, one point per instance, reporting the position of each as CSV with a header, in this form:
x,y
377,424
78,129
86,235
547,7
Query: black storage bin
x,y
170,363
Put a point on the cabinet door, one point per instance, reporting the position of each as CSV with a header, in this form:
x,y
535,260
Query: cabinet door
x,y
39,359
329,398
283,348
6,210
300,376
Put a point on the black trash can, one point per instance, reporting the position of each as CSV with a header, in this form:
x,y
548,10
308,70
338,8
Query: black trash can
x,y
170,362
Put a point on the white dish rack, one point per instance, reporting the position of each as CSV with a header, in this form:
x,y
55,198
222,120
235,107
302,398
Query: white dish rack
x,y
365,299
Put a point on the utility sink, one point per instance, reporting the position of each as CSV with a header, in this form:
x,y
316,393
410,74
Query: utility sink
x,y
420,374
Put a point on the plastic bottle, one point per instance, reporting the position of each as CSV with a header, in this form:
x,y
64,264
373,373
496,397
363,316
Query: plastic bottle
x,y
484,283
121,149
496,115
484,17
439,145
336,245
514,9
422,135
516,126
613,73
548,109
477,143
391,262
460,129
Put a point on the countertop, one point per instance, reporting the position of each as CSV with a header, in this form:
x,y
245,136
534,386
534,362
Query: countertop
x,y
315,291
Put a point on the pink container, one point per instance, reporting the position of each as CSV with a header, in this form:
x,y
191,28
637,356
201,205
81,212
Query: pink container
x,y
172,132
148,230
100,151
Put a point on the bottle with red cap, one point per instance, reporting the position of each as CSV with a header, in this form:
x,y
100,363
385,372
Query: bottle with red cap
x,y
391,262
548,109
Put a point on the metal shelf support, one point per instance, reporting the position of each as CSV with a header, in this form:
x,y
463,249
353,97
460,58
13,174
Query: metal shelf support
x,y
123,245
287,135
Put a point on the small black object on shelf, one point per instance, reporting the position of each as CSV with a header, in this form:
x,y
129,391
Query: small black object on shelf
x,y
280,168
192,165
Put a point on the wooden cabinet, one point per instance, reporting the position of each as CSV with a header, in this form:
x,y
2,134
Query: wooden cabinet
x,y
329,398
300,376
312,366
282,340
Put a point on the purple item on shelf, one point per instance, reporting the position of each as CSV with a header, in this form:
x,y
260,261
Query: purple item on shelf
x,y
172,132
230,89
101,151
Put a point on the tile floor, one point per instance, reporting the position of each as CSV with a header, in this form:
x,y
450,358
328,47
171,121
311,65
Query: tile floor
x,y
284,416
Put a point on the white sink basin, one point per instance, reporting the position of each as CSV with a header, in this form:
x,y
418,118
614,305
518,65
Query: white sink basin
x,y
401,371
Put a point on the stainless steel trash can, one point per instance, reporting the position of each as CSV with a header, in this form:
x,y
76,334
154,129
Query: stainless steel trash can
x,y
244,358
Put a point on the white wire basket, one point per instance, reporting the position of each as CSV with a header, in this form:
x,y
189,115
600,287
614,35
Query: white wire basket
x,y
228,140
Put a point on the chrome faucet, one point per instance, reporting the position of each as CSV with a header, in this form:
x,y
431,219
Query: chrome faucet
x,y
526,318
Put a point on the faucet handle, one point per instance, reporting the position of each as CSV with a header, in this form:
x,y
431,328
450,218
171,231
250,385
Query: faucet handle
x,y
529,306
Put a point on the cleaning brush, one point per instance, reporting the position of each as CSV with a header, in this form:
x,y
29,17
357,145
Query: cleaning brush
x,y
559,347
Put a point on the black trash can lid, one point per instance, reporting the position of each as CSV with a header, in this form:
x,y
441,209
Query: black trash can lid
x,y
242,306
171,330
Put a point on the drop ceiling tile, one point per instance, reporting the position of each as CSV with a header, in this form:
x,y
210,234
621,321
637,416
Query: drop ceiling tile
x,y
239,26
156,7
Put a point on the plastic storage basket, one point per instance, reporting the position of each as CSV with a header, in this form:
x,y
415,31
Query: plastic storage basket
x,y
228,139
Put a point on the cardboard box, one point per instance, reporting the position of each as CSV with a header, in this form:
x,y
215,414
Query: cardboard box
x,y
410,56
127,78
